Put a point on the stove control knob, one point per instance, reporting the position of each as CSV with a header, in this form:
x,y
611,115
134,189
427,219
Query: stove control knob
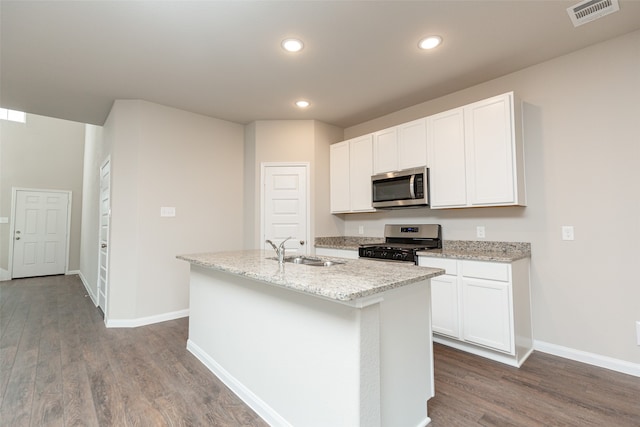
x,y
384,254
399,256
369,253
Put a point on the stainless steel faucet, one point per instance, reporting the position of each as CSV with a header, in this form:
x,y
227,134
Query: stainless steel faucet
x,y
279,250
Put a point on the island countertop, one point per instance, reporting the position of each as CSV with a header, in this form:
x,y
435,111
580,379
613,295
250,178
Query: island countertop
x,y
356,278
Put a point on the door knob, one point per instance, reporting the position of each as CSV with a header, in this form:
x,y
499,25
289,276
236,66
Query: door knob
x,y
17,231
17,238
301,242
104,245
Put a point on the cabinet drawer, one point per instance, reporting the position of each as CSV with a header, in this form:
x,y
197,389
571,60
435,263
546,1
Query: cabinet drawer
x,y
450,265
486,270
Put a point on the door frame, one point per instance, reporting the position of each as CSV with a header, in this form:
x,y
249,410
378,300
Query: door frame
x,y
263,169
12,228
108,238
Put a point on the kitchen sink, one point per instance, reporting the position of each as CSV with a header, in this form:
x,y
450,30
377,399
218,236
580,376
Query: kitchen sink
x,y
318,262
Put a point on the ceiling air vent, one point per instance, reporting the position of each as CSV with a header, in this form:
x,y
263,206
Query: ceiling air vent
x,y
590,10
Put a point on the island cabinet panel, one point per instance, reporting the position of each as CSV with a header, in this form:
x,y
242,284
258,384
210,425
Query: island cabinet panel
x,y
303,360
482,307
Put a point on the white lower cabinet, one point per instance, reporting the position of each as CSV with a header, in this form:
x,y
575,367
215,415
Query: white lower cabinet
x,y
482,307
487,314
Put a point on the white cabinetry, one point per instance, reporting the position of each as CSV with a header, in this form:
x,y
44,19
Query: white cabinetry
x,y
340,176
400,147
476,155
483,307
351,167
445,290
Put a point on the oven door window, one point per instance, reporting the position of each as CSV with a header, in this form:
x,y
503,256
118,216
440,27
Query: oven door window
x,y
386,190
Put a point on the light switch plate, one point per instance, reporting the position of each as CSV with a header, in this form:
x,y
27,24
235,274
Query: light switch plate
x,y
480,232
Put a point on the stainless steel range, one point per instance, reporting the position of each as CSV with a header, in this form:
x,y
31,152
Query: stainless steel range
x,y
402,241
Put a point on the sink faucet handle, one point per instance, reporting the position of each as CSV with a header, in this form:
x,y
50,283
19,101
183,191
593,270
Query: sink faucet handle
x,y
275,248
282,244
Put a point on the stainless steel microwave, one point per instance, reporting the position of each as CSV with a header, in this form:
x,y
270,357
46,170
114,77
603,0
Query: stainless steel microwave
x,y
406,188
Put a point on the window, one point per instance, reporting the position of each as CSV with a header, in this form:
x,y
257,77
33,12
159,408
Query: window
x,y
13,115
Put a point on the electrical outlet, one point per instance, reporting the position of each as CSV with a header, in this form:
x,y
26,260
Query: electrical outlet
x,y
167,211
638,331
567,232
361,229
480,231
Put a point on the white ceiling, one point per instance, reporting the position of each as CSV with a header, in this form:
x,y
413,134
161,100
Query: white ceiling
x,y
71,60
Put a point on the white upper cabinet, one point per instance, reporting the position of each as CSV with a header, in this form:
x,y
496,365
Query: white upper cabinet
x,y
400,147
351,167
385,150
412,144
447,165
361,168
339,176
476,155
491,151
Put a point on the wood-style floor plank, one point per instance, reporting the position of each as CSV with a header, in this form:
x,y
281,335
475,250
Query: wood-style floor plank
x,y
60,366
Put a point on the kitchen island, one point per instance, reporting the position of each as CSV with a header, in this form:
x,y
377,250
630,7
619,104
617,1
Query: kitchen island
x,y
344,345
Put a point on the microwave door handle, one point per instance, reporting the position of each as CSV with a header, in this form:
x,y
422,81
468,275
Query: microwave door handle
x,y
412,191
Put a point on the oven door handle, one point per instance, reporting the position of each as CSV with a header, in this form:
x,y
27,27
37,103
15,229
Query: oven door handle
x,y
412,191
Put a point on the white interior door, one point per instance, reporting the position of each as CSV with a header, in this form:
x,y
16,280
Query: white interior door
x,y
103,249
41,227
285,204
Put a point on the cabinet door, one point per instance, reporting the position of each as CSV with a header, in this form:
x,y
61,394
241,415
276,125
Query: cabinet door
x,y
490,151
487,314
361,169
444,305
339,177
446,159
412,144
385,150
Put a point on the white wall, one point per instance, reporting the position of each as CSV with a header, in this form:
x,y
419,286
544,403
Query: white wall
x,y
43,153
290,141
582,153
162,156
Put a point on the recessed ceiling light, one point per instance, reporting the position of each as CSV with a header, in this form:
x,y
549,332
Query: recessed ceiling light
x,y
292,45
302,104
430,42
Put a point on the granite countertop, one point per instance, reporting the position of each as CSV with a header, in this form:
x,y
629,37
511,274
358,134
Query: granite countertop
x,y
356,278
479,250
346,242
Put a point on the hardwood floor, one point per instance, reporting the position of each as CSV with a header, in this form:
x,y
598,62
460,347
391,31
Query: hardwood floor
x,y
60,366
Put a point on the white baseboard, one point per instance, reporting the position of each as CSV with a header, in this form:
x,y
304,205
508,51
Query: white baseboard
x,y
590,358
261,408
88,289
142,321
72,272
4,275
